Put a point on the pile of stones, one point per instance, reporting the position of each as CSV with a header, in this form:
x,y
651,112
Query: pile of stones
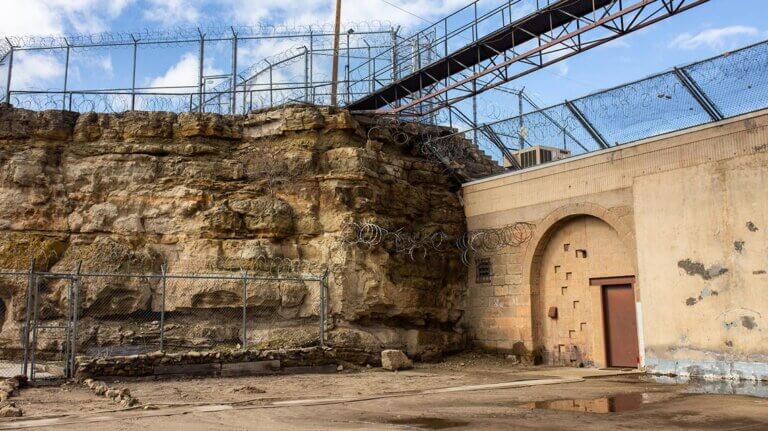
x,y
9,388
144,365
120,396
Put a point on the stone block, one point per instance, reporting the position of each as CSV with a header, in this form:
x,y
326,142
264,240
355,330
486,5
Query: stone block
x,y
395,360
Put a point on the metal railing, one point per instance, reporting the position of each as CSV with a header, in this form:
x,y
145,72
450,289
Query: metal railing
x,y
229,64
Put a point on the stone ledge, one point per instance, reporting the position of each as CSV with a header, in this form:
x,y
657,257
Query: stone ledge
x,y
217,363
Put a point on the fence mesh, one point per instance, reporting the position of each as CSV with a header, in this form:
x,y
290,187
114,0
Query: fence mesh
x,y
13,287
732,84
114,314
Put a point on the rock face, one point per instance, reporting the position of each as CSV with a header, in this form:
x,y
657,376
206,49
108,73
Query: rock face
x,y
207,193
395,360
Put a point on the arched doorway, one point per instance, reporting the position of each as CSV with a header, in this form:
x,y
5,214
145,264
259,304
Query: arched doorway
x,y
577,259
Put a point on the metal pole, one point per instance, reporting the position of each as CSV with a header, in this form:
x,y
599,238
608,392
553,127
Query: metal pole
x,y
312,64
698,94
521,139
346,71
133,73
66,77
587,125
10,73
233,104
30,283
162,308
75,301
201,71
336,41
35,305
323,307
271,94
394,55
306,75
245,308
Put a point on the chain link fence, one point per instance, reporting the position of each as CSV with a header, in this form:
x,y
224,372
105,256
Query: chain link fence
x,y
49,318
718,88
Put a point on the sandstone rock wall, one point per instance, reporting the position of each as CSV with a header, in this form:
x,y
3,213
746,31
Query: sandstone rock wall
x,y
207,193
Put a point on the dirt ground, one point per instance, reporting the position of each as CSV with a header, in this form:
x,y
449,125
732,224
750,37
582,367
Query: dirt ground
x,y
469,391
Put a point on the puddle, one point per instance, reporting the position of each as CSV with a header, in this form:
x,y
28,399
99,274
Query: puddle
x,y
429,423
715,387
612,404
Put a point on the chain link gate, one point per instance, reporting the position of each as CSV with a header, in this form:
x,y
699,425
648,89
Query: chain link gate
x,y
57,330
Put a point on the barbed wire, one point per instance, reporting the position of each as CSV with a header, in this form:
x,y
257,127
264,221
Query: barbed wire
x,y
370,235
487,241
413,244
183,35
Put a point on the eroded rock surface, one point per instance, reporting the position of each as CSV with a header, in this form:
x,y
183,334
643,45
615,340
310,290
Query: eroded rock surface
x,y
208,193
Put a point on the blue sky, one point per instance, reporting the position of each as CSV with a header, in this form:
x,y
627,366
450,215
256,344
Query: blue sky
x,y
705,31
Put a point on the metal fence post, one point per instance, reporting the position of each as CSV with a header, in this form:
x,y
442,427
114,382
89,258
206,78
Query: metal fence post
x,y
66,77
306,75
10,74
28,315
75,306
162,307
233,106
312,64
133,72
323,306
33,347
245,308
201,73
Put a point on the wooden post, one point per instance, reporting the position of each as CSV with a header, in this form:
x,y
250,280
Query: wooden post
x,y
335,72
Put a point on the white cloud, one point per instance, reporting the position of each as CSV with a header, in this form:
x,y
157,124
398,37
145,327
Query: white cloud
x,y
715,38
183,74
46,17
33,70
171,12
250,12
563,69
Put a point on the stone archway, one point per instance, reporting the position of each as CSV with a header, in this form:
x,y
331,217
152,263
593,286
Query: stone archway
x,y
571,247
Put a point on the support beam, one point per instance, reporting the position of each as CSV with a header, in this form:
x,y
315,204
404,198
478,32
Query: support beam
x,y
699,95
587,125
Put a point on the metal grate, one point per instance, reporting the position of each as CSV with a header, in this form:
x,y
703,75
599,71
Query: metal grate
x,y
484,270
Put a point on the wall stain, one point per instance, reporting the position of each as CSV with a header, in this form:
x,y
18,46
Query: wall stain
x,y
751,226
705,293
759,272
729,343
738,246
748,322
697,268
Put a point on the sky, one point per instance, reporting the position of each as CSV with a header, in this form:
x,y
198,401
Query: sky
x,y
705,31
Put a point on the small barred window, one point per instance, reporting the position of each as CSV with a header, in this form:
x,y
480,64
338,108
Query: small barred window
x,y
483,270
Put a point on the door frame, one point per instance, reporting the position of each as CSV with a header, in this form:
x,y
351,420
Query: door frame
x,y
602,283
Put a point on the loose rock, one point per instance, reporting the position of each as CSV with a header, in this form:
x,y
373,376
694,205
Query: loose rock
x,y
395,360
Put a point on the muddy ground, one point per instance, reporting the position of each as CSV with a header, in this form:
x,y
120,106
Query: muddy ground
x,y
432,396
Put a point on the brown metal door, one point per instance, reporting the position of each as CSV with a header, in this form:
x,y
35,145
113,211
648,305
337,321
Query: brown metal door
x,y
620,326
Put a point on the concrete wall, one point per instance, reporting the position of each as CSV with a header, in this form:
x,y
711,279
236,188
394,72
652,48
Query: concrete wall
x,y
685,213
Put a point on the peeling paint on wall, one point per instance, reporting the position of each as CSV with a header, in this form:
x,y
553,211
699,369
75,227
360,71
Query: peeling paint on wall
x,y
748,322
705,293
697,268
